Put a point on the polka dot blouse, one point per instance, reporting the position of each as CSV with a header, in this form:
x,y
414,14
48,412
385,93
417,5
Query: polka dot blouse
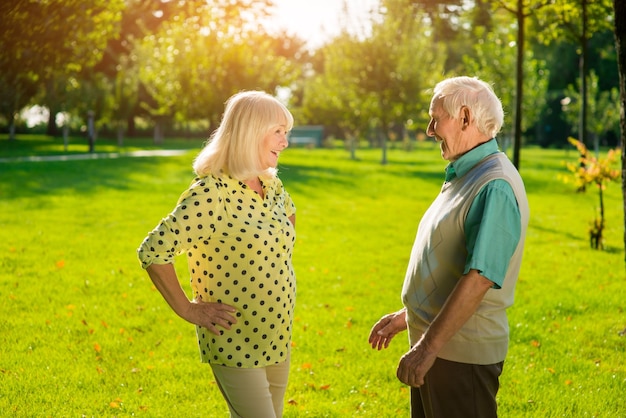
x,y
239,250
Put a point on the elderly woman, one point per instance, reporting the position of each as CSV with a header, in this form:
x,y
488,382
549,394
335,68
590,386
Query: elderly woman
x,y
236,225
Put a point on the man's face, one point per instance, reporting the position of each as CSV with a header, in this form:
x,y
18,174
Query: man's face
x,y
451,134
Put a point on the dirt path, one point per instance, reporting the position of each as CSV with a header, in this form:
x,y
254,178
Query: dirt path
x,y
96,156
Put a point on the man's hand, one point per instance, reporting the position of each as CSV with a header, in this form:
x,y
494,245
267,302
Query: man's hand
x,y
386,328
415,364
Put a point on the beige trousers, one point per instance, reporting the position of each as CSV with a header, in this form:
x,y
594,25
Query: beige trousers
x,y
253,393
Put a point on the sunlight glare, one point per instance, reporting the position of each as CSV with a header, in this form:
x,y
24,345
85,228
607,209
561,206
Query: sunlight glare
x,y
319,20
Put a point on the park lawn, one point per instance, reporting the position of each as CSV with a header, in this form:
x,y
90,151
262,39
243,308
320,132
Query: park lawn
x,y
84,332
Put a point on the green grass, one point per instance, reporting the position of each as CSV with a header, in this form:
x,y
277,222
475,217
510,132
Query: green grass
x,y
84,333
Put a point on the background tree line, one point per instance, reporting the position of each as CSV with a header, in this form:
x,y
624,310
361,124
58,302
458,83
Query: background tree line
x,y
168,66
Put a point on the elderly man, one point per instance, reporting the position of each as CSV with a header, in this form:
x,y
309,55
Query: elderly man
x,y
464,263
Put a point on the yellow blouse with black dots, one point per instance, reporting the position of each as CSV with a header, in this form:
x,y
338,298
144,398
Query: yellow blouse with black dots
x,y
239,250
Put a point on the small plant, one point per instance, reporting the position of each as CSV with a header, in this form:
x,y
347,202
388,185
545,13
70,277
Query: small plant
x,y
590,170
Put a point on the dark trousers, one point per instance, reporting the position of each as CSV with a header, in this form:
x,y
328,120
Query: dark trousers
x,y
457,390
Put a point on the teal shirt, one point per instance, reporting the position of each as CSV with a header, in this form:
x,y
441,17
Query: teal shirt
x,y
493,223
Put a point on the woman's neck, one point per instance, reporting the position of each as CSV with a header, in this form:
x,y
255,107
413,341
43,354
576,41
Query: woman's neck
x,y
256,185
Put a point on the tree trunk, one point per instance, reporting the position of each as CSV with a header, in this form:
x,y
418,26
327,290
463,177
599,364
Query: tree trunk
x,y
517,143
158,132
352,143
130,126
619,7
66,133
12,128
52,129
582,130
384,134
120,134
91,130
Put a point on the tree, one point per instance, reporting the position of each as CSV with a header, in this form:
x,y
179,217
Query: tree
x,y
619,9
37,45
398,65
334,94
192,64
494,59
590,170
577,20
522,9
603,116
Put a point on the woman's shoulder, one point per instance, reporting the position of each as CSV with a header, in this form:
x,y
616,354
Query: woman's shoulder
x,y
274,181
208,181
202,185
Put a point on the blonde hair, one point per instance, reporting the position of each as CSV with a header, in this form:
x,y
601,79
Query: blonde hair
x,y
234,147
476,95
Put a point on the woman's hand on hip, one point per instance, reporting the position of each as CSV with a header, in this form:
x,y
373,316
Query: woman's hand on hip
x,y
210,315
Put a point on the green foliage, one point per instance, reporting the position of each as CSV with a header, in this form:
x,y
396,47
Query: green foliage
x,y
603,114
494,60
85,333
380,83
564,18
175,62
48,39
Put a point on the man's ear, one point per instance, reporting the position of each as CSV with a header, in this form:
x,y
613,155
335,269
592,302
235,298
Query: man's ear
x,y
465,116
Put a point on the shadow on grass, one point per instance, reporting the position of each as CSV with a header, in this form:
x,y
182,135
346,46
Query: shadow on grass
x,y
323,178
558,232
40,179
33,179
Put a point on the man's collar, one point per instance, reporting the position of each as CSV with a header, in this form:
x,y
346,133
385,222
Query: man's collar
x,y
468,160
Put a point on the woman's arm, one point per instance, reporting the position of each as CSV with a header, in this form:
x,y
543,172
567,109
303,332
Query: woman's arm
x,y
205,314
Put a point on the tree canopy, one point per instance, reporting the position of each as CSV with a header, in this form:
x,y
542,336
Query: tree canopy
x,y
173,64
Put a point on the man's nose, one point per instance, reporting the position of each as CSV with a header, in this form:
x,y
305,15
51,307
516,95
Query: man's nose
x,y
429,129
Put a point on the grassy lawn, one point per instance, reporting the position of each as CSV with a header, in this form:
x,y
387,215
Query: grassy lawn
x,y
84,333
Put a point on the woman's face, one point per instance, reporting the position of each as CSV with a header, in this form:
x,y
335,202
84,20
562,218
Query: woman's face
x,y
272,144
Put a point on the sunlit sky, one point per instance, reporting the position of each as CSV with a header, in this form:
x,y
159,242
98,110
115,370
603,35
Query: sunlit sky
x,y
317,20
